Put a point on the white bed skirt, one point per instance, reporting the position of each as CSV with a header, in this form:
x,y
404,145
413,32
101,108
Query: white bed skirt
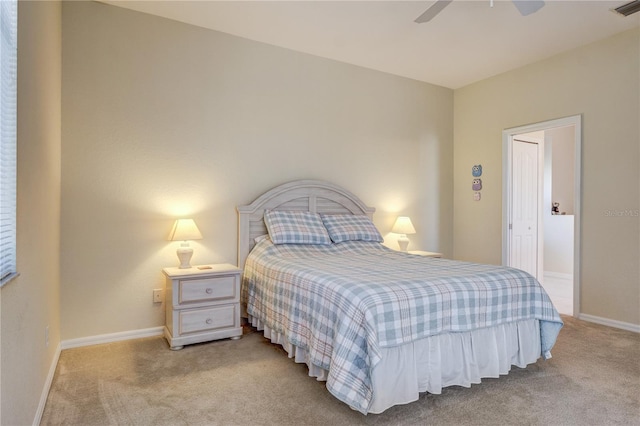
x,y
435,362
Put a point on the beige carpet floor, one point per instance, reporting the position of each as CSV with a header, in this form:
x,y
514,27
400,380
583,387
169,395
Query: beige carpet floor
x,y
592,379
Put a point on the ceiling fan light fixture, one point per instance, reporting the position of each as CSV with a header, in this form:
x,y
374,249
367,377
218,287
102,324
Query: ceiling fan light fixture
x,y
525,7
628,8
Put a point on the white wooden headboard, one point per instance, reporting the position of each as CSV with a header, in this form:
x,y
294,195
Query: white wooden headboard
x,y
303,195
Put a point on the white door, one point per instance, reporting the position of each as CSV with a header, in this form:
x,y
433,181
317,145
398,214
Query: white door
x,y
524,213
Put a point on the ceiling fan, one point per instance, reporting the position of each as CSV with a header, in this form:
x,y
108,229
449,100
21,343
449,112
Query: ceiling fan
x,y
526,7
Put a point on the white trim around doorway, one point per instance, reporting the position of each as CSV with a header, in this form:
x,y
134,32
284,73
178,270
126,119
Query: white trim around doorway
x,y
507,141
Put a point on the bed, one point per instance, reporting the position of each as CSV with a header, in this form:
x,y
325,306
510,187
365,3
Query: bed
x,y
380,326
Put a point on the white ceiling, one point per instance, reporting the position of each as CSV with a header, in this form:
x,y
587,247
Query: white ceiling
x,y
467,42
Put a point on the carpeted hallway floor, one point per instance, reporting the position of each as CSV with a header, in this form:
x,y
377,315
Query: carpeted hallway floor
x,y
592,379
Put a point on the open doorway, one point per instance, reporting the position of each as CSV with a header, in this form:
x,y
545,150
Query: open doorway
x,y
541,206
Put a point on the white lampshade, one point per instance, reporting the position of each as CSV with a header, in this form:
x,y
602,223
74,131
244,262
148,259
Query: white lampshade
x,y
403,226
184,230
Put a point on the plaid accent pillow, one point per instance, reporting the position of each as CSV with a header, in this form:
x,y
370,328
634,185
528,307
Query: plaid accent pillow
x,y
295,227
348,227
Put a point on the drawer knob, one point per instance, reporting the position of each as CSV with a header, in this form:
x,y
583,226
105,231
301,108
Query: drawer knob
x,y
209,321
209,290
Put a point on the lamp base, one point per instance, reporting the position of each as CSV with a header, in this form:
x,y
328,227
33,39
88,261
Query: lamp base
x,y
403,242
184,253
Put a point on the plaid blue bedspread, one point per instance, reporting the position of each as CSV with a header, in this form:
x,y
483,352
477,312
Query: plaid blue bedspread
x,y
343,302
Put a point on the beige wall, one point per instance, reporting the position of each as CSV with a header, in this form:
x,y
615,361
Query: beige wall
x,y
31,302
163,119
601,82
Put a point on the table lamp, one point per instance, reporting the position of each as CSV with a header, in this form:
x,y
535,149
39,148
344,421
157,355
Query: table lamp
x,y
403,226
185,230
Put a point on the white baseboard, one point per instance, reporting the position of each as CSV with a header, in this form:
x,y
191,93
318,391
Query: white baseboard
x,y
558,275
609,322
47,386
112,337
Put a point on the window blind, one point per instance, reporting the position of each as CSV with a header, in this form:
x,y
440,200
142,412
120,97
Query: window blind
x,y
8,146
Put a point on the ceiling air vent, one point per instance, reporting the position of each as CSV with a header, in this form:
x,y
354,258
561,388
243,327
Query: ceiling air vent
x,y
629,8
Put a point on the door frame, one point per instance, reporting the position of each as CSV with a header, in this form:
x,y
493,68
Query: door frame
x,y
507,144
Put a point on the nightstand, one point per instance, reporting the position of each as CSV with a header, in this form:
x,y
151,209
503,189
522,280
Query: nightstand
x,y
202,304
425,253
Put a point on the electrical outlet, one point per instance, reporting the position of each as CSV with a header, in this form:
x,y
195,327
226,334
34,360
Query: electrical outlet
x,y
46,336
157,295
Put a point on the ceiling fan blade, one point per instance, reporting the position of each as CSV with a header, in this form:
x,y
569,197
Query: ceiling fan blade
x,y
527,7
431,13
628,8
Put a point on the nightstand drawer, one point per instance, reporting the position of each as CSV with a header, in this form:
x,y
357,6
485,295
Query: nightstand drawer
x,y
207,289
207,319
